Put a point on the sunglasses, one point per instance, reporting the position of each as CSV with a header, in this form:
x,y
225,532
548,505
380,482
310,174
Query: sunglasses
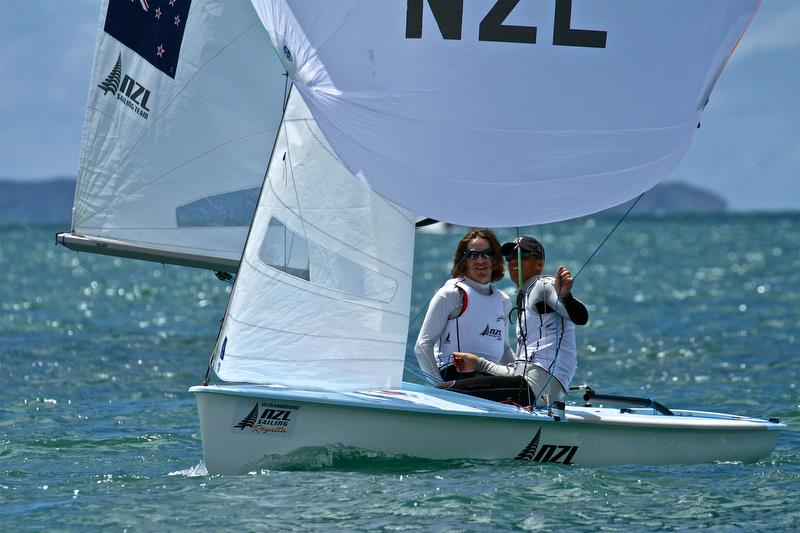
x,y
475,254
523,255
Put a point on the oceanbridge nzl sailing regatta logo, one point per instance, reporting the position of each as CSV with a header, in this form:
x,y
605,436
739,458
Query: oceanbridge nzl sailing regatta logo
x,y
548,453
269,418
130,92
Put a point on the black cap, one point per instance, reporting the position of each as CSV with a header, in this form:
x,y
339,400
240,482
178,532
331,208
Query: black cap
x,y
526,243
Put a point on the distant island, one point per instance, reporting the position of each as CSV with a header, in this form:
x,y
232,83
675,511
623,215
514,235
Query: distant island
x,y
50,202
673,198
37,202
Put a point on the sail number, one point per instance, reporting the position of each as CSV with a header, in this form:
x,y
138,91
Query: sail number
x,y
449,16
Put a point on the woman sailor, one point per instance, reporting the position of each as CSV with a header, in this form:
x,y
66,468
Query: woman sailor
x,y
468,314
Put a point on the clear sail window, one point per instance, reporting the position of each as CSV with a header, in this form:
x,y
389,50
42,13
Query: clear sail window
x,y
285,250
290,252
227,209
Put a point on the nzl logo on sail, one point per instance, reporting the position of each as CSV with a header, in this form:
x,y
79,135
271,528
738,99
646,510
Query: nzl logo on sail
x,y
127,90
267,417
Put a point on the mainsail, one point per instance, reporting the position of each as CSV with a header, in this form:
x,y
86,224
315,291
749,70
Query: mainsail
x,y
507,113
322,297
184,104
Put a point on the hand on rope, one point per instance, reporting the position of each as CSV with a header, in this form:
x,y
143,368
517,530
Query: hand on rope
x,y
564,281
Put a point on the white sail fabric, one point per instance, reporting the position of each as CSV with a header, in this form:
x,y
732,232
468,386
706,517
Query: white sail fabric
x,y
323,292
184,105
507,113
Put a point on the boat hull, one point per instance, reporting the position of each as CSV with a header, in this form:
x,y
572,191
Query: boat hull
x,y
247,427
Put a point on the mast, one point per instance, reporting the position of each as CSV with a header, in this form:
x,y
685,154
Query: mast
x,y
219,349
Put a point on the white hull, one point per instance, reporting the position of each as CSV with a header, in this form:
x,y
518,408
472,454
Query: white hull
x,y
244,426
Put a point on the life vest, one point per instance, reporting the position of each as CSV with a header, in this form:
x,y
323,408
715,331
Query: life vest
x,y
548,336
481,327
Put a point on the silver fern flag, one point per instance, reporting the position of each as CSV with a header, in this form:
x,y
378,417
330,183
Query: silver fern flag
x,y
151,28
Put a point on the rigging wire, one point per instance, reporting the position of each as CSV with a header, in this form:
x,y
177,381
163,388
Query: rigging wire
x,y
552,364
213,355
557,346
520,304
608,236
522,326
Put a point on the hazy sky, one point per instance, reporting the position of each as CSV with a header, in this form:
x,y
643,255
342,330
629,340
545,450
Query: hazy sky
x,y
748,148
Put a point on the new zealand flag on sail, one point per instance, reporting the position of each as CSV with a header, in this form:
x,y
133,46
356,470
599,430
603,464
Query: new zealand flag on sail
x,y
151,28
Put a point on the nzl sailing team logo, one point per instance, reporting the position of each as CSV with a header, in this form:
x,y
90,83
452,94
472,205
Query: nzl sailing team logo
x,y
268,418
547,453
127,90
491,332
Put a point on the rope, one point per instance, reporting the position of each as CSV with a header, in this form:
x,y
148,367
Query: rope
x,y
522,326
552,364
607,237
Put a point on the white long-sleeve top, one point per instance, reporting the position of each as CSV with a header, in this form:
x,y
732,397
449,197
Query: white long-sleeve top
x,y
446,305
546,337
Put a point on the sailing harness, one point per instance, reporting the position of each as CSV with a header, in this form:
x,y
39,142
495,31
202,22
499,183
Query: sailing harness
x,y
445,369
522,333
480,324
524,312
418,371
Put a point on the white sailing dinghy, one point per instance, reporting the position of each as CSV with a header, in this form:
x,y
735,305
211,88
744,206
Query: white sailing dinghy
x,y
475,113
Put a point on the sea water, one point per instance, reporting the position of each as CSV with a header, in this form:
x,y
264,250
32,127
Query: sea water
x,y
99,433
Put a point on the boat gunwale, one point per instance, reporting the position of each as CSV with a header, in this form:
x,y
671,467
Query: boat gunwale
x,y
580,415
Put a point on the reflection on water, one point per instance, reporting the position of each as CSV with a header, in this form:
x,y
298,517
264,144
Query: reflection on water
x,y
97,354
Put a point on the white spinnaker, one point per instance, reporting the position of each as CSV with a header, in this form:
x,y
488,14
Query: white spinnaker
x,y
186,178
322,296
475,130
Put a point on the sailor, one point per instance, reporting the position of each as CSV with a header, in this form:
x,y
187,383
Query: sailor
x,y
468,313
546,350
